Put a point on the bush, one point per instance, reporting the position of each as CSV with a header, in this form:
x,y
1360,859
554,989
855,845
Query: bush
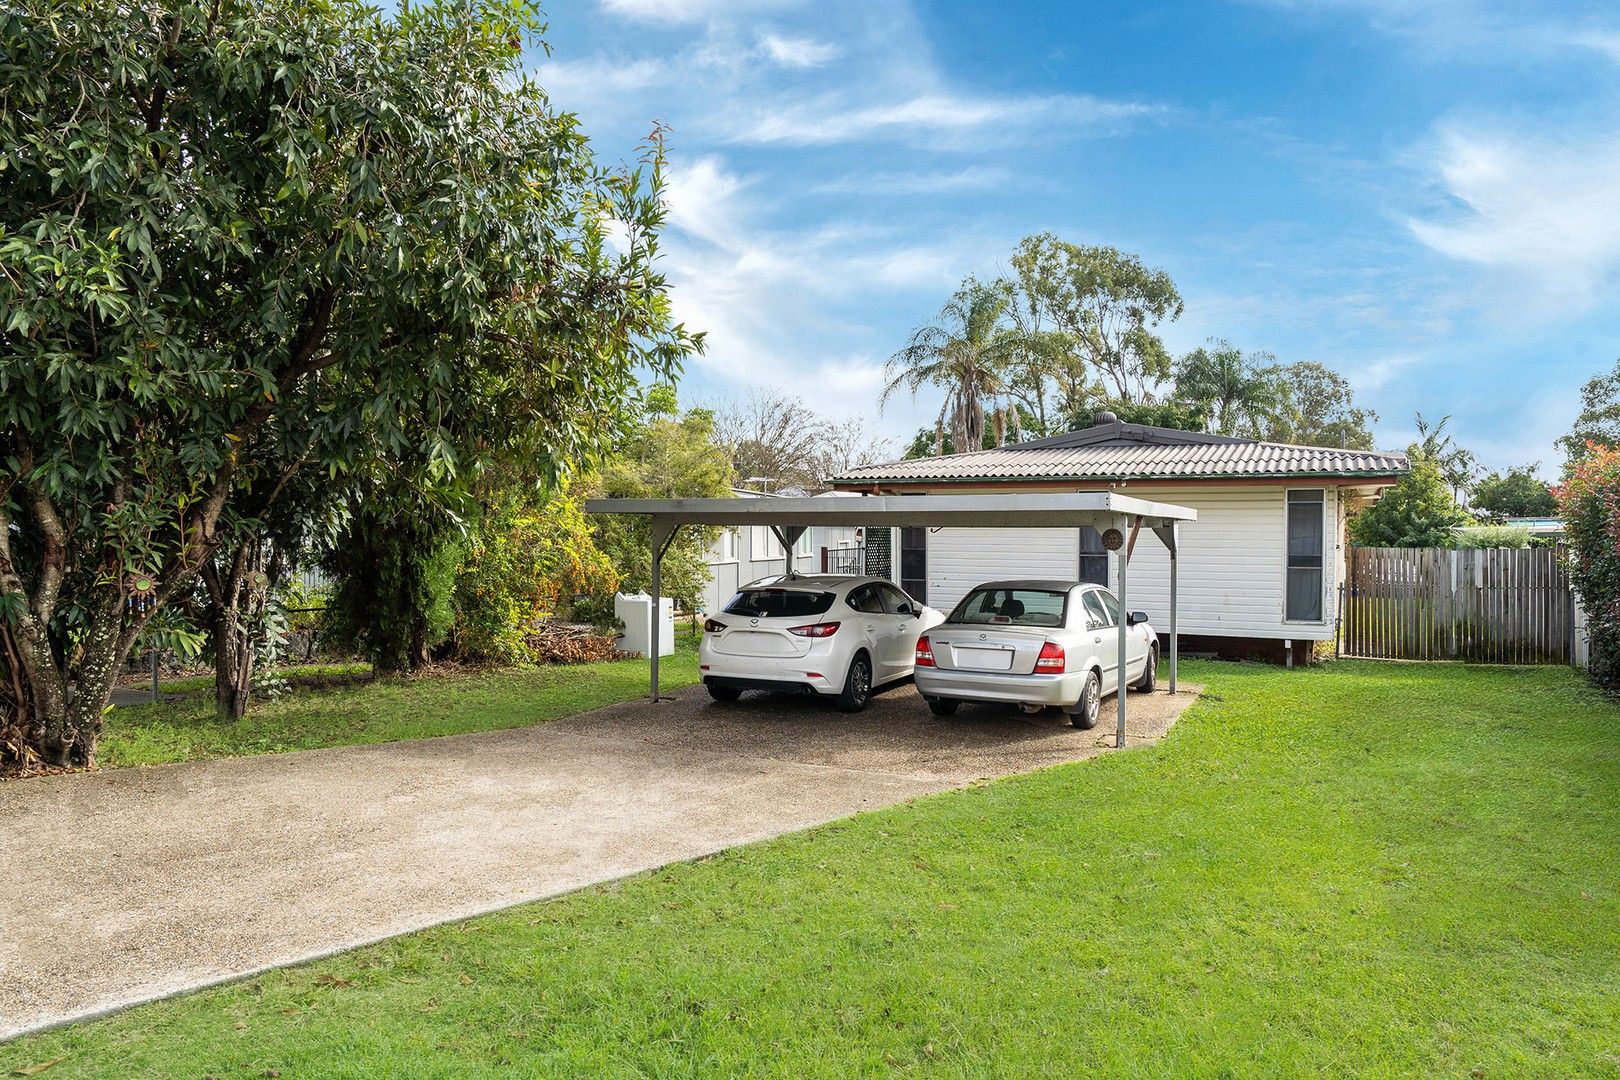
x,y
1417,512
524,563
1590,505
395,569
1494,536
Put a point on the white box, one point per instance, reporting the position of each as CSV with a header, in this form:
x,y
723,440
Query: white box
x,y
635,611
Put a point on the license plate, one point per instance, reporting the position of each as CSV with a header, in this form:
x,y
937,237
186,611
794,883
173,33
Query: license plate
x,y
984,659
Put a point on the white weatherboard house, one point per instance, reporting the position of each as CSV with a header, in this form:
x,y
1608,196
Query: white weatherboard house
x,y
1260,569
749,552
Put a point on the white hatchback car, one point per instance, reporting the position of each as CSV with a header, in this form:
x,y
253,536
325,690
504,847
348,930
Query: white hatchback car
x,y
827,634
1035,644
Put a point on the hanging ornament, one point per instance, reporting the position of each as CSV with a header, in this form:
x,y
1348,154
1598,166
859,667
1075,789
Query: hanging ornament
x,y
259,582
141,590
1113,539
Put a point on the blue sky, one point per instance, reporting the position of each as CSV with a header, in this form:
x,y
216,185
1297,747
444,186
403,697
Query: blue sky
x,y
1425,197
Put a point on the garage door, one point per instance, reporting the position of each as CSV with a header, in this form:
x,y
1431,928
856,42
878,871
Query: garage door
x,y
959,559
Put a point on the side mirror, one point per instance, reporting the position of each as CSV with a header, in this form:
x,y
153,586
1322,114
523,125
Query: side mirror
x,y
907,610
1136,617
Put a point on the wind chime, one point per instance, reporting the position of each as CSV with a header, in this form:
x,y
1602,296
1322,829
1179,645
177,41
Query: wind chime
x,y
140,593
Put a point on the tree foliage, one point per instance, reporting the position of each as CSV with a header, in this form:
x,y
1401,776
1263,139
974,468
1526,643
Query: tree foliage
x,y
241,241
1589,503
1598,422
787,445
965,352
1417,512
1321,410
1515,493
1243,394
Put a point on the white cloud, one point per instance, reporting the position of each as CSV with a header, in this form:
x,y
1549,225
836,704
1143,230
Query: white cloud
x,y
798,52
687,11
599,77
1606,42
839,119
1544,208
973,178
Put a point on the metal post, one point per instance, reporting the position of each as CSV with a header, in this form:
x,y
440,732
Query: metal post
x,y
1175,642
663,534
1124,619
154,674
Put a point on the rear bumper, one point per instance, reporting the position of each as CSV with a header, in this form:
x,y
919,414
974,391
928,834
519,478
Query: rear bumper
x,y
1063,690
779,686
791,674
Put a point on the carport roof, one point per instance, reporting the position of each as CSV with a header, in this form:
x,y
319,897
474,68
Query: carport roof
x,y
1031,510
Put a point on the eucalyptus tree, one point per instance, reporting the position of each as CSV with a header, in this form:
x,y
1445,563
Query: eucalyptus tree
x,y
965,351
1107,305
1322,409
243,243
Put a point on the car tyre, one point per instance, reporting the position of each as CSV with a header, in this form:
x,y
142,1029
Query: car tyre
x,y
1150,673
857,685
942,706
1084,713
724,693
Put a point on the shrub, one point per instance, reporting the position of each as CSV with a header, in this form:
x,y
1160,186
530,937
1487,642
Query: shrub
x,y
1590,505
1417,512
1494,536
524,563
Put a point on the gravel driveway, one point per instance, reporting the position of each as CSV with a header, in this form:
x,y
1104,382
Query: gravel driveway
x,y
138,883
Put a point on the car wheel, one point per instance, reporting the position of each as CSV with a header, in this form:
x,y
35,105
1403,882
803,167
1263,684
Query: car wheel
x,y
724,693
857,685
1084,713
942,706
1150,674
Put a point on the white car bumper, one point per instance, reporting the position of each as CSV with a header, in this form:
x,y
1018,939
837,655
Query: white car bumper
x,y
1062,690
812,671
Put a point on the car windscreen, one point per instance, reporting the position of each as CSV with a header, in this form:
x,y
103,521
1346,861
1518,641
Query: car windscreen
x,y
1011,607
779,603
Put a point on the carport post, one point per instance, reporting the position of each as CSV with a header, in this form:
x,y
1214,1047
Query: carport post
x,y
1124,620
663,534
1175,644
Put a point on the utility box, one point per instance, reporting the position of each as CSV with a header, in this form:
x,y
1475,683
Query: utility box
x,y
635,611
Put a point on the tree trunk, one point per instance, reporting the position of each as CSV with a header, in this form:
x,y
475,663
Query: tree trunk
x,y
229,598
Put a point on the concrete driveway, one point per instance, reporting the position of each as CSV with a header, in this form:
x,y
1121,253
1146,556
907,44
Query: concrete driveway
x,y
122,886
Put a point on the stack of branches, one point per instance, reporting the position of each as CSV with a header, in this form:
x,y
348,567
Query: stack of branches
x,y
555,642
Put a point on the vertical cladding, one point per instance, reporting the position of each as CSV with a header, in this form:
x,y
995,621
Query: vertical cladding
x,y
879,551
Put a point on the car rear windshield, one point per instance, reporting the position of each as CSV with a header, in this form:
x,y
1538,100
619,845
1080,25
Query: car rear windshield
x,y
1012,607
779,603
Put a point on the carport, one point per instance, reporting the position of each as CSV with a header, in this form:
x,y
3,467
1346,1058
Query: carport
x,y
1118,518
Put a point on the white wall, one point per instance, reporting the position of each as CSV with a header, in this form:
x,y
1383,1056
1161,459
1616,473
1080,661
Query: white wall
x,y
757,553
1233,566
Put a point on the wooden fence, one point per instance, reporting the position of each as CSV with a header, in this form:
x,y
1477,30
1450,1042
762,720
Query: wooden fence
x,y
1488,605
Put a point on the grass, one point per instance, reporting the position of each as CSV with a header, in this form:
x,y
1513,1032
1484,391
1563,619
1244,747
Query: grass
x,y
1358,870
185,727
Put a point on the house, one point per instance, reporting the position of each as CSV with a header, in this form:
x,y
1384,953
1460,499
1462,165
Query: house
x,y
1259,570
747,553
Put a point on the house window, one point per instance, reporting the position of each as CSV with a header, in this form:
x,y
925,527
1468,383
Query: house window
x,y
763,545
1305,553
1093,557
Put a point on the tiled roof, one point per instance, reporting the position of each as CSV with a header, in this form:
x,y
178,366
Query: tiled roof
x,y
1118,451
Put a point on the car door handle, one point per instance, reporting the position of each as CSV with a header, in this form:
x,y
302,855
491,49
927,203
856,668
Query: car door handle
x,y
1097,639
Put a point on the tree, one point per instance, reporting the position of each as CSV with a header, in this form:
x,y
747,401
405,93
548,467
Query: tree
x,y
1006,423
1417,512
778,437
241,241
1242,395
664,457
1165,414
1589,503
1321,410
1106,305
1598,422
1515,493
1456,465
965,352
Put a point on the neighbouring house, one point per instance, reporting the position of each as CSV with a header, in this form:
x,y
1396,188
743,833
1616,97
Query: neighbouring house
x,y
745,554
1259,570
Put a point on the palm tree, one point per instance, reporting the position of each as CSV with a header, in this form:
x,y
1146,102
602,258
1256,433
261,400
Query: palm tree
x,y
1457,465
1244,395
966,351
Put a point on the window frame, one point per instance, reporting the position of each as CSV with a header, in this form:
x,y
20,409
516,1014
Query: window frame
x,y
1321,566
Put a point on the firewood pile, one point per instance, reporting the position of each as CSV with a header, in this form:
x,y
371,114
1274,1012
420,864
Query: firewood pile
x,y
570,643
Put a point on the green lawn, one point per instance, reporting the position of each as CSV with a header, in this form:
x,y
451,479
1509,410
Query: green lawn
x,y
186,727
1359,870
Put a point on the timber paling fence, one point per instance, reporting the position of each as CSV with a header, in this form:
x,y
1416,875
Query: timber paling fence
x,y
1485,605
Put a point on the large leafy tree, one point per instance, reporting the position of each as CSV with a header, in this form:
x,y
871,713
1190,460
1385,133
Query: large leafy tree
x,y
965,352
1321,410
1417,512
1243,394
1598,422
1459,466
1515,493
240,241
1105,306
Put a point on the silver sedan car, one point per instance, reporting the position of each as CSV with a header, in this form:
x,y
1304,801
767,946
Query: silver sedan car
x,y
1035,644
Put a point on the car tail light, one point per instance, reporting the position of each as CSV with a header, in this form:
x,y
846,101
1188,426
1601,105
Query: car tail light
x,y
820,629
925,652
1051,660
712,627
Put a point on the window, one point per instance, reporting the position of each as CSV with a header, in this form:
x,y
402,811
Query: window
x,y
1110,604
728,545
762,544
1096,615
779,603
1012,607
866,599
1305,551
895,600
914,562
1093,557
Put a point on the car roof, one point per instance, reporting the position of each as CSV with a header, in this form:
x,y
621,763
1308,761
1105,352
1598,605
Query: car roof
x,y
807,581
1050,584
